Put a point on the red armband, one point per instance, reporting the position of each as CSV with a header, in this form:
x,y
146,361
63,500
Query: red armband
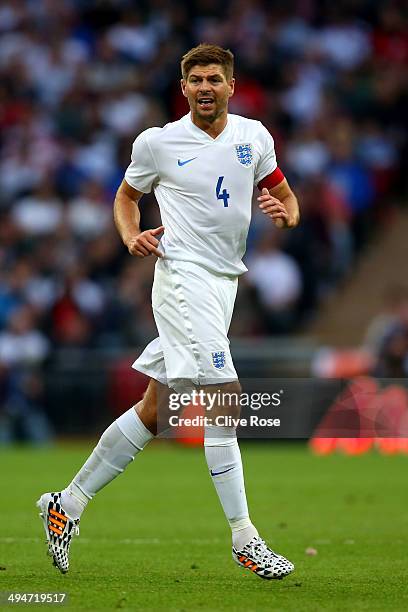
x,y
272,180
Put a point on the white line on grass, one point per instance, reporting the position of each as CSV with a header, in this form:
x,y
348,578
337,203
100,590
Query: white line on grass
x,y
133,542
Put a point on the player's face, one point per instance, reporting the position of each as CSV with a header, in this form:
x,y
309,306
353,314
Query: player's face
x,y
207,91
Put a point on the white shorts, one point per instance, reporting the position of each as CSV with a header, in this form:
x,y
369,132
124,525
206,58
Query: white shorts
x,y
193,309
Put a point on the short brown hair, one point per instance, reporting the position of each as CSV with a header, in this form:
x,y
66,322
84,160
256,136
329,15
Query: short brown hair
x,y
206,54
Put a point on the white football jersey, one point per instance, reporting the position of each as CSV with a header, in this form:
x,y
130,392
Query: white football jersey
x,y
204,187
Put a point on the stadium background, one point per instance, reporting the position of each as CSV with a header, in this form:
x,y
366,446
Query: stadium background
x,y
78,81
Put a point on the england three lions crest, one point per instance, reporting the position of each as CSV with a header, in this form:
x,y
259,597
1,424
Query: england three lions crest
x,y
244,154
218,359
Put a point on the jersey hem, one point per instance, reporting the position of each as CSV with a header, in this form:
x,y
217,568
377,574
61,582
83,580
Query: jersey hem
x,y
229,275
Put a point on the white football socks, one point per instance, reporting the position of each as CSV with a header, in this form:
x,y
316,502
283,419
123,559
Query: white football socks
x,y
225,465
116,448
119,445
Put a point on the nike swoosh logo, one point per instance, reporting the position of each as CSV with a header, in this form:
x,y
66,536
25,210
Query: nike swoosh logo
x,y
218,473
183,163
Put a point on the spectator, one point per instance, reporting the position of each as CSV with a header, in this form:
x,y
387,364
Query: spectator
x,y
277,279
88,214
352,180
393,316
393,355
21,343
23,349
342,41
40,213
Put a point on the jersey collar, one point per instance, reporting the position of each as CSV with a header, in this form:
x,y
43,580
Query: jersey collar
x,y
203,136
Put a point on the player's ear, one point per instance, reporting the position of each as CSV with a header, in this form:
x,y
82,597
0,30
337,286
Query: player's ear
x,y
231,87
183,87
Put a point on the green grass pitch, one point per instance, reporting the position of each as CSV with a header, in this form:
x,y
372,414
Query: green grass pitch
x,y
156,538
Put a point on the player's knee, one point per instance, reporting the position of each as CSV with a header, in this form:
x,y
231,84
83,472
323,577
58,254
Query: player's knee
x,y
232,387
148,418
147,408
230,398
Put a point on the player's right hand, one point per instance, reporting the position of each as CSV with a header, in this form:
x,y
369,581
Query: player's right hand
x,y
145,243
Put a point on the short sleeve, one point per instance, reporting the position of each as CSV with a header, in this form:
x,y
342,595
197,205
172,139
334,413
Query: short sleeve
x,y
141,172
267,161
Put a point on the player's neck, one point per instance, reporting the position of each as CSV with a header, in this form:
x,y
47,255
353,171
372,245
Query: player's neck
x,y
213,128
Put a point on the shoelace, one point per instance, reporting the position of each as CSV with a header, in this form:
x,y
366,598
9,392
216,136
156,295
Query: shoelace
x,y
260,552
75,530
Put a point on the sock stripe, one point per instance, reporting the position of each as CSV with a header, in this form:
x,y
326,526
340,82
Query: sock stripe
x,y
114,468
81,489
138,448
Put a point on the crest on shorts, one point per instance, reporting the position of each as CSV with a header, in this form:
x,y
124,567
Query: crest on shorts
x,y
218,359
244,154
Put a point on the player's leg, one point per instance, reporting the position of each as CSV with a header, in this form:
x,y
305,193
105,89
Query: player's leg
x,y
192,310
117,447
225,465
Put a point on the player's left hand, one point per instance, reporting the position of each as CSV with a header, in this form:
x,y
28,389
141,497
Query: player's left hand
x,y
274,208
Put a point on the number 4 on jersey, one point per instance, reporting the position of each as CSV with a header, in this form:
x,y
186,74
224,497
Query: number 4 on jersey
x,y
224,195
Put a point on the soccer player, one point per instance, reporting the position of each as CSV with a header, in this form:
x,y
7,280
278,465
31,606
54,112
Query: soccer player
x,y
202,169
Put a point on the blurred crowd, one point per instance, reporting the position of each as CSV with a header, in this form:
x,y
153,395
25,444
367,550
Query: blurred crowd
x,y
79,79
386,337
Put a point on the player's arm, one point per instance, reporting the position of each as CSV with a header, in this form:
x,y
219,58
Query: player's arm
x,y
280,203
127,220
